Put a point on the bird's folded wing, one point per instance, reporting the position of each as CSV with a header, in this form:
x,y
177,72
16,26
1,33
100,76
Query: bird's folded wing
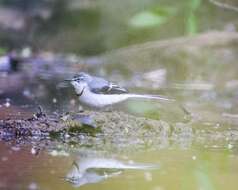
x,y
101,86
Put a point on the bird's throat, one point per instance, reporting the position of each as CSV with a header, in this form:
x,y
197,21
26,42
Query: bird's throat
x,y
80,94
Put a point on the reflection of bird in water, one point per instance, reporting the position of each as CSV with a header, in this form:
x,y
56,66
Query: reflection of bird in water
x,y
94,170
98,92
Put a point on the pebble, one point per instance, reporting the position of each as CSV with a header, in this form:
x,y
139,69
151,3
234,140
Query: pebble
x,y
33,186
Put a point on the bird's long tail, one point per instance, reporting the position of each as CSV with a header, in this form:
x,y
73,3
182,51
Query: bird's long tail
x,y
149,96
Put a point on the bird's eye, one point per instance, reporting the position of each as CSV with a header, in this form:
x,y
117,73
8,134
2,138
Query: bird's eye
x,y
78,79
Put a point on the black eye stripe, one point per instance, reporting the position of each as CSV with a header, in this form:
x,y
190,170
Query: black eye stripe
x,y
78,79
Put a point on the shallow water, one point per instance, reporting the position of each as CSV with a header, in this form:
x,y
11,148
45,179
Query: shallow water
x,y
198,151
192,168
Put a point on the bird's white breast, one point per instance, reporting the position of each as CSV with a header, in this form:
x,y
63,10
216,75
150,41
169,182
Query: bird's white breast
x,y
100,100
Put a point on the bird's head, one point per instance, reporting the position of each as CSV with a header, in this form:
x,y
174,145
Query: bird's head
x,y
80,81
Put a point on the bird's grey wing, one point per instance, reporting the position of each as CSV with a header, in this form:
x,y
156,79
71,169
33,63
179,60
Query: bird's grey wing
x,y
101,86
113,88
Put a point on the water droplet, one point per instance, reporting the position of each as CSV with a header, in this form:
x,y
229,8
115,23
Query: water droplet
x,y
27,93
148,176
4,158
7,104
54,100
15,148
53,153
33,151
33,186
229,146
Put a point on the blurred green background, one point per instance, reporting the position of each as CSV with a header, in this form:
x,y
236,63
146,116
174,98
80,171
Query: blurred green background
x,y
90,27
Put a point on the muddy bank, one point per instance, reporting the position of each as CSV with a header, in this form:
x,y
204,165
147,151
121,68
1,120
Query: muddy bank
x,y
86,125
112,131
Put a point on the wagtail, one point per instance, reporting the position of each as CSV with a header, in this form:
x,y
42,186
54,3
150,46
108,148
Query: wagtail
x,y
98,92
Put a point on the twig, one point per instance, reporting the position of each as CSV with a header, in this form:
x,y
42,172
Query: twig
x,y
224,5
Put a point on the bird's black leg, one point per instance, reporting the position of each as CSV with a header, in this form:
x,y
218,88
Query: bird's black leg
x,y
109,108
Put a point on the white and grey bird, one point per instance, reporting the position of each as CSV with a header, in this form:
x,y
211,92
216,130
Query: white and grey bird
x,y
98,92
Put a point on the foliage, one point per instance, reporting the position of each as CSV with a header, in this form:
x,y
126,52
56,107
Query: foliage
x,y
191,25
153,17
